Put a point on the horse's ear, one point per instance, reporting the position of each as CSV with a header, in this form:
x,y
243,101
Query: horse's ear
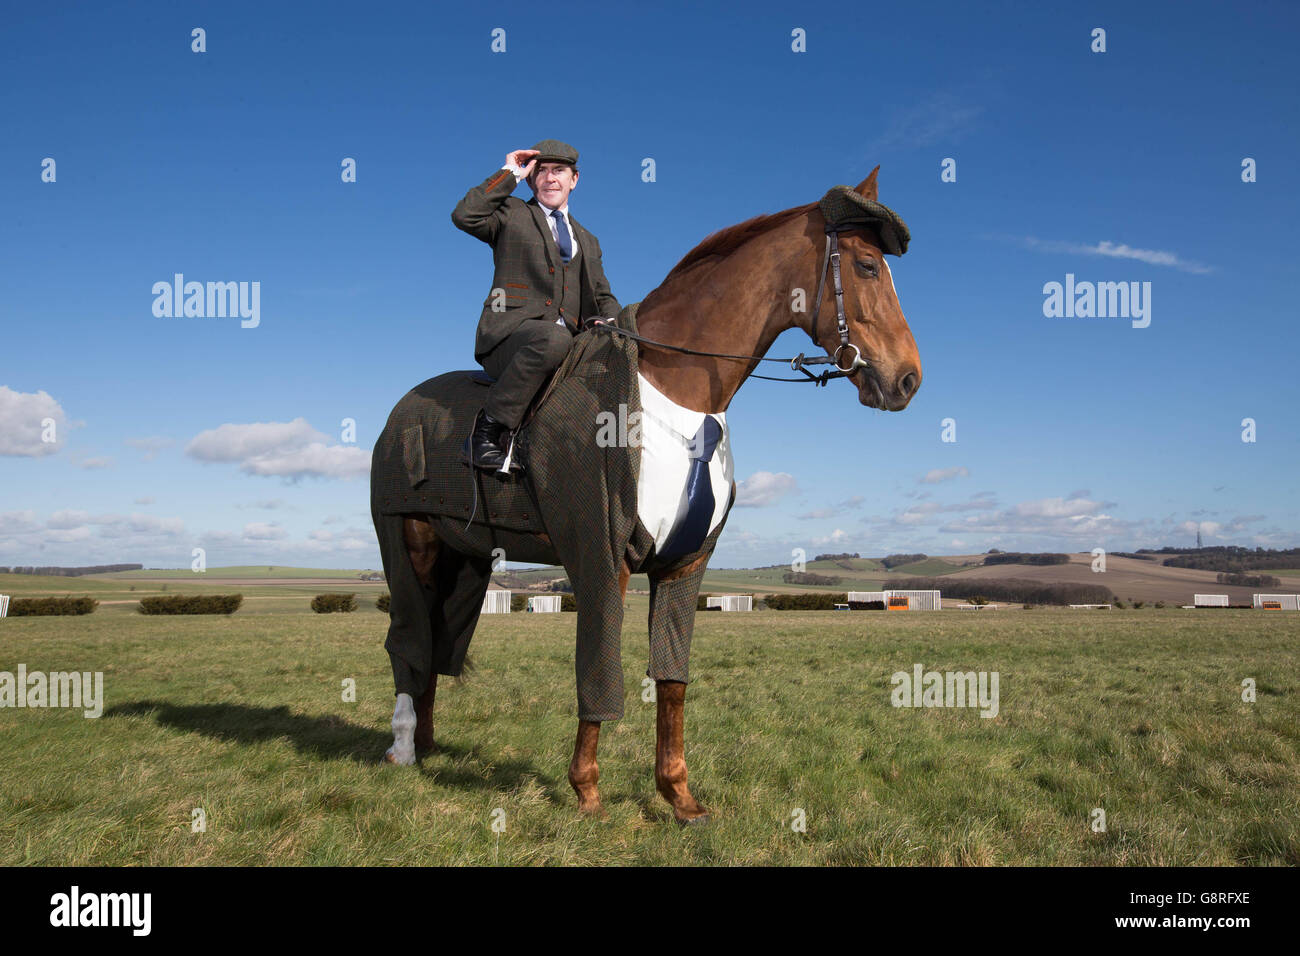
x,y
867,188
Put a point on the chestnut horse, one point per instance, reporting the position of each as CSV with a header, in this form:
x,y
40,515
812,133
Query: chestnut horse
x,y
733,293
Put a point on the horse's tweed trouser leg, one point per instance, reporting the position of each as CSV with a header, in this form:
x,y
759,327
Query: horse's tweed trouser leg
x,y
429,629
672,612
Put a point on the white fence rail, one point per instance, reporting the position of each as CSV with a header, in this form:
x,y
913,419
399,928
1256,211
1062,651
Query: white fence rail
x,y
1287,602
4,605
1210,600
544,604
496,602
916,600
731,602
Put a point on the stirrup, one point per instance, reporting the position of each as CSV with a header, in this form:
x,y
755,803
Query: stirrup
x,y
511,465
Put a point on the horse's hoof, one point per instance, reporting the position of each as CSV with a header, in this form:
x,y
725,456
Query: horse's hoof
x,y
699,821
398,759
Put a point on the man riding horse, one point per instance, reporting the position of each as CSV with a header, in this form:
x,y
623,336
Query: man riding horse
x,y
548,281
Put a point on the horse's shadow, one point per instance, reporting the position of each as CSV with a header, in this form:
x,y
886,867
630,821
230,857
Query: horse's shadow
x,y
331,738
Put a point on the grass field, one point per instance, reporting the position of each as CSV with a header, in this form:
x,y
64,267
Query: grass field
x,y
1135,712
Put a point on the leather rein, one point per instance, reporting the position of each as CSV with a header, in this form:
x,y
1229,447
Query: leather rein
x,y
831,262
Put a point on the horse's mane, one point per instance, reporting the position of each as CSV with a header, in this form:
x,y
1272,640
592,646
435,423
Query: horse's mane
x,y
728,240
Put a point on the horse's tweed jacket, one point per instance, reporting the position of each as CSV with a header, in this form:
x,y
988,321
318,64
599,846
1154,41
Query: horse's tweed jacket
x,y
575,505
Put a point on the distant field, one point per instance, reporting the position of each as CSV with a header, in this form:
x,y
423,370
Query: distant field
x,y
1135,712
252,572
286,587
1284,573
118,597
930,567
1127,578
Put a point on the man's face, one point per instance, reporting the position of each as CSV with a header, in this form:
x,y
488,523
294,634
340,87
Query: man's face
x,y
552,183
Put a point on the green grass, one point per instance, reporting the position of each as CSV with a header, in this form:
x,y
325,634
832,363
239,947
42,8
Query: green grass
x,y
1136,712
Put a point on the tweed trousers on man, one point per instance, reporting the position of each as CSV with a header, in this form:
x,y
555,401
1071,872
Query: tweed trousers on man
x,y
521,364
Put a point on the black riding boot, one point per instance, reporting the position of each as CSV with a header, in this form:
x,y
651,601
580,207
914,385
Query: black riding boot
x,y
482,447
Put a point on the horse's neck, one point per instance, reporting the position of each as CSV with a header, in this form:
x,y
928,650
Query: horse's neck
x,y
737,305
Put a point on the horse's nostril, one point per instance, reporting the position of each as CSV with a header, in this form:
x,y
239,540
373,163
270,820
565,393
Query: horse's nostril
x,y
908,384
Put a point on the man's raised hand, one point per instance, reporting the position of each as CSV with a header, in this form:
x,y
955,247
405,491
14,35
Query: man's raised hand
x,y
521,156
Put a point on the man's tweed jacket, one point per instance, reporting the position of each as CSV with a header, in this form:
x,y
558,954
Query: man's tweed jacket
x,y
580,495
529,271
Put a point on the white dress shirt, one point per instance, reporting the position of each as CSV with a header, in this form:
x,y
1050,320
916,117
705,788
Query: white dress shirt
x,y
550,220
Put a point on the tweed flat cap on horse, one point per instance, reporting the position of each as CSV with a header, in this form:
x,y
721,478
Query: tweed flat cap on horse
x,y
844,206
553,151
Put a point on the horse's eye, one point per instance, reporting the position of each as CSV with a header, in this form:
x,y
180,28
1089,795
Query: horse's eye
x,y
868,267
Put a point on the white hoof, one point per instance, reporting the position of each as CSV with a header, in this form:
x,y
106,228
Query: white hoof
x,y
402,752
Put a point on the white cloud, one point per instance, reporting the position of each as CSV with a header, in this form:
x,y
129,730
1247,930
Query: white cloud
x,y
92,464
831,511
17,522
261,531
316,460
21,414
150,446
936,475
1116,250
286,449
838,536
764,488
265,504
941,117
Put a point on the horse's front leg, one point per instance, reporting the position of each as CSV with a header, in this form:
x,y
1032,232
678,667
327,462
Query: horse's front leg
x,y
583,769
584,772
670,753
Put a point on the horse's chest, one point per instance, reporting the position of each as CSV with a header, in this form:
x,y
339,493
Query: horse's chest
x,y
668,438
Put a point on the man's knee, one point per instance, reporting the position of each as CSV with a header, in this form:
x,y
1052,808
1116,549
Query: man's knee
x,y
553,341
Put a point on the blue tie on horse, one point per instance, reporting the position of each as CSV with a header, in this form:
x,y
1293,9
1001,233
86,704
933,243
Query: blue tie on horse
x,y
562,235
693,528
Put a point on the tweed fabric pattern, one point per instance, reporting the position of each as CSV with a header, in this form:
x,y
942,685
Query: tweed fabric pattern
x,y
554,151
672,612
581,495
843,205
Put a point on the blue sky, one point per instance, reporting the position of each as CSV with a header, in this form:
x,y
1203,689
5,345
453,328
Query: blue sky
x,y
1072,433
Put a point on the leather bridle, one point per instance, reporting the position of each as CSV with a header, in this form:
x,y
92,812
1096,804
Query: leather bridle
x,y
831,263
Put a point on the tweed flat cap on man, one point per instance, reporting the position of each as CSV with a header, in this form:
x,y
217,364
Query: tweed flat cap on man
x,y
553,151
844,206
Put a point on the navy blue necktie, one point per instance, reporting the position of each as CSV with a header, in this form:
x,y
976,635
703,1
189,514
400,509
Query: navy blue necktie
x,y
562,235
691,531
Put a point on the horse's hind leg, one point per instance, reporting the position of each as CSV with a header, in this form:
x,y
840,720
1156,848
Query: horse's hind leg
x,y
413,719
674,594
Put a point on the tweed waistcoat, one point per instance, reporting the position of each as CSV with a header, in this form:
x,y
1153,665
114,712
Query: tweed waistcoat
x,y
571,288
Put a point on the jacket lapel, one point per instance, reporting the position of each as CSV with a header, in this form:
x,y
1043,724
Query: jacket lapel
x,y
586,244
539,218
